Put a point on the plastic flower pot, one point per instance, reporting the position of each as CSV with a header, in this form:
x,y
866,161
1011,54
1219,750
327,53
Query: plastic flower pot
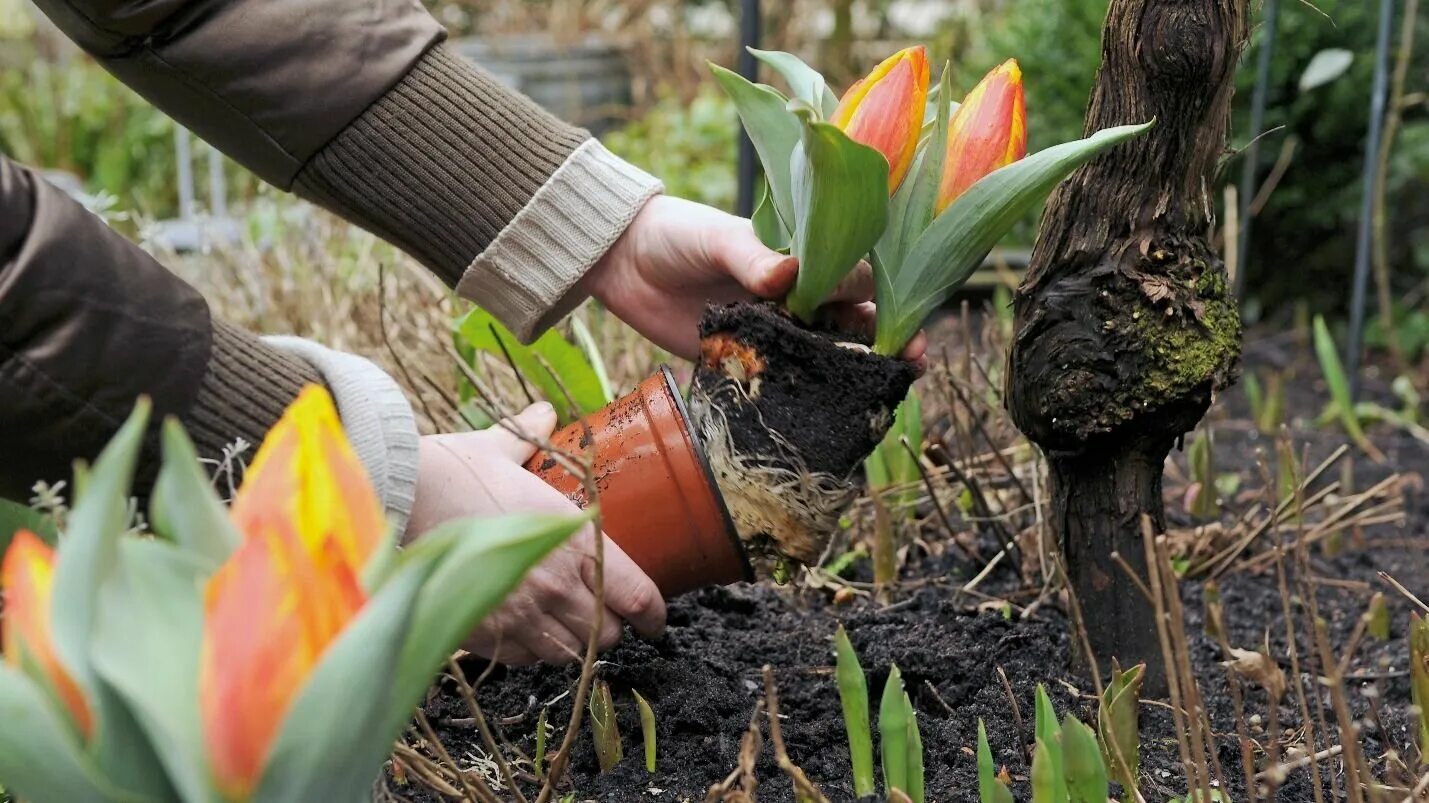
x,y
657,495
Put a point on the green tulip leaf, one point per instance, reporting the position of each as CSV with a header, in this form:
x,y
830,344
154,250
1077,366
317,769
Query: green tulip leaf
x,y
990,788
184,507
853,697
840,209
956,242
1082,763
341,726
482,561
893,733
772,129
767,225
147,645
808,83
40,755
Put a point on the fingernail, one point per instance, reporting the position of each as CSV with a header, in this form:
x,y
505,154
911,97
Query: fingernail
x,y
541,408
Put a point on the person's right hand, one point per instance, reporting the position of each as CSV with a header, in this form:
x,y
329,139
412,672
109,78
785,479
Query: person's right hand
x,y
550,615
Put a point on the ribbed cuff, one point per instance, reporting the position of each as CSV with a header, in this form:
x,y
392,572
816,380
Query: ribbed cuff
x,y
377,418
441,163
246,389
527,275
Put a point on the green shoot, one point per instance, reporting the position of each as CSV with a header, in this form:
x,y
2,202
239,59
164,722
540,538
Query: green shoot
x,y
1267,405
990,788
893,465
1049,746
1203,503
1377,617
893,733
539,761
604,731
647,731
915,753
1342,406
1419,677
1118,727
853,694
1086,776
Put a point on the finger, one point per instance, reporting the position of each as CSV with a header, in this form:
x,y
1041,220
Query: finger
x,y
552,642
629,592
855,287
757,268
510,436
916,352
578,615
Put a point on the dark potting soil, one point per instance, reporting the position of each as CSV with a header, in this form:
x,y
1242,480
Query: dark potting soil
x,y
830,403
703,679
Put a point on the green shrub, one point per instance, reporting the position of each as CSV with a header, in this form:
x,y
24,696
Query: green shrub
x,y
691,147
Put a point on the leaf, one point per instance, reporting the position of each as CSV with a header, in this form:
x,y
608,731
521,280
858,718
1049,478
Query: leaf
x,y
1339,384
990,789
1049,740
1048,785
1118,726
911,209
593,357
1325,66
767,226
341,727
853,696
184,507
40,756
840,193
1085,772
147,648
893,733
572,371
808,83
647,731
956,242
773,130
15,517
487,559
1419,675
915,753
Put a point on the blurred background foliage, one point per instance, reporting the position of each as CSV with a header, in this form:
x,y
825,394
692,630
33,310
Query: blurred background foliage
x,y
58,110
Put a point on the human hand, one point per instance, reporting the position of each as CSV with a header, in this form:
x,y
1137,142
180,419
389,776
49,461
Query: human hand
x,y
677,256
548,617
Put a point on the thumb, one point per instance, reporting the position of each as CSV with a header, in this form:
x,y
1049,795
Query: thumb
x,y
510,437
758,268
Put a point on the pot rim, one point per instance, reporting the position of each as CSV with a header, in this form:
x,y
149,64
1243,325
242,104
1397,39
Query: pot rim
x,y
708,471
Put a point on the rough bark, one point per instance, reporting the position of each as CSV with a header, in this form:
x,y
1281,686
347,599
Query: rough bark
x,y
1125,327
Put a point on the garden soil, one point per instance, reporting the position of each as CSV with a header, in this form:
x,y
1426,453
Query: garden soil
x,y
703,679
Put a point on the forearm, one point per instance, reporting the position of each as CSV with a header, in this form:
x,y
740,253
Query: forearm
x,y
89,322
358,107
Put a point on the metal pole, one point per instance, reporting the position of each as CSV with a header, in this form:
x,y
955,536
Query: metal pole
x,y
183,154
1252,150
1373,142
749,25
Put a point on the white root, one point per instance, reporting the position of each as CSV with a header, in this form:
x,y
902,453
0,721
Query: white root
x,y
780,508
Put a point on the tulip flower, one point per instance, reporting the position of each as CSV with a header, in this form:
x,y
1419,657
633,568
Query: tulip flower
x,y
27,576
309,520
885,110
988,131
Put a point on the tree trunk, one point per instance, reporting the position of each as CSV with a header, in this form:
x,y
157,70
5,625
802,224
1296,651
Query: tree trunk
x,y
1125,327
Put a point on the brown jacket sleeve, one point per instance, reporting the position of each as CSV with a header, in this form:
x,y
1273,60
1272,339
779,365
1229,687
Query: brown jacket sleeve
x,y
353,104
89,322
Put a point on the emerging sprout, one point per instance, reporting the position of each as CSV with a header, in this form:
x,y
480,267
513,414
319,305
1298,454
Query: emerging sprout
x,y
853,694
647,731
991,789
604,731
1419,676
1118,723
1377,618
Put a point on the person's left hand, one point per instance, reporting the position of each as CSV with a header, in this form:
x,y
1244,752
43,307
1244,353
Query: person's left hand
x,y
677,256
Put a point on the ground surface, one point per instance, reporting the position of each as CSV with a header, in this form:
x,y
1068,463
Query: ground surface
x,y
703,679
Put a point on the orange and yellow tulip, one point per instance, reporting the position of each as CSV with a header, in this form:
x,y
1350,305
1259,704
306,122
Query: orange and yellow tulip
x,y
885,110
27,577
309,520
987,132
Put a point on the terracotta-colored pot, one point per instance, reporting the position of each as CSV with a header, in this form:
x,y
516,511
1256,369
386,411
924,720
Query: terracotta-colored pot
x,y
657,495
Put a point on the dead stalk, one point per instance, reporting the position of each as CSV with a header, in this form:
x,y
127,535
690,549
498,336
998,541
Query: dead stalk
x,y
804,789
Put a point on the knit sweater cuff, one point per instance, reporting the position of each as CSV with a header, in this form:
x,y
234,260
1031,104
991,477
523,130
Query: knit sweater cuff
x,y
377,419
527,276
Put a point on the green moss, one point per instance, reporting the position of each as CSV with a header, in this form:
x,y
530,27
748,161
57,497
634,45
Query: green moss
x,y
1181,352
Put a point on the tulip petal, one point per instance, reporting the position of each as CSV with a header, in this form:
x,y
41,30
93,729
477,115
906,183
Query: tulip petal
x,y
271,612
306,481
27,577
885,110
987,132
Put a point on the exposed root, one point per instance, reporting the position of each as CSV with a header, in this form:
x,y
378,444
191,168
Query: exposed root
x,y
781,510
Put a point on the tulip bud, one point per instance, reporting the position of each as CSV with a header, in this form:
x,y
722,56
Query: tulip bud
x,y
988,131
885,110
26,577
